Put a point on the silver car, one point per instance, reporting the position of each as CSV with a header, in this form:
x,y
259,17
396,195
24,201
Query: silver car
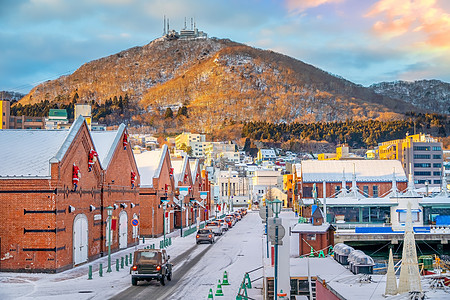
x,y
205,235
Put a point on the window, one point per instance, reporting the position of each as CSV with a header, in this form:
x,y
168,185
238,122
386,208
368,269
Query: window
x,y
437,181
422,156
437,156
437,148
422,173
437,166
437,173
337,189
307,192
421,148
421,181
366,190
311,237
422,165
375,191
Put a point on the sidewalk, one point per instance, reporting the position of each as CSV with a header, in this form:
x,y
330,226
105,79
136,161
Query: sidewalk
x,y
74,283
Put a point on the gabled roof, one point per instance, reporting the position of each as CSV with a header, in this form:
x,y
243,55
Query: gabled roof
x,y
317,214
28,153
308,227
106,143
366,170
149,164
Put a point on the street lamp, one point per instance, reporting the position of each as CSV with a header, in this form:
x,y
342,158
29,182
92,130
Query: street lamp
x,y
276,207
109,210
184,190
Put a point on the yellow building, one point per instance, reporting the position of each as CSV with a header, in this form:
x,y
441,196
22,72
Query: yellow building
x,y
342,152
421,156
4,113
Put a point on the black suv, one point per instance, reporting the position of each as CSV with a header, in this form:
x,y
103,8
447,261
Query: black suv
x,y
151,264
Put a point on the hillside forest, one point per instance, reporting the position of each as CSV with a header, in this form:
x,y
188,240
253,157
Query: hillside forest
x,y
295,136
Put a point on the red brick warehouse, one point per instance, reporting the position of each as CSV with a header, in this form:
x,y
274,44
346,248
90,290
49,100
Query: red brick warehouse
x,y
53,206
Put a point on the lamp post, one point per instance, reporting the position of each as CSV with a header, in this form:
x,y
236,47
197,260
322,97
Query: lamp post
x,y
109,210
276,207
184,190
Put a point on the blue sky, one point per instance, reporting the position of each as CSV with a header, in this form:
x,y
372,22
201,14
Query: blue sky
x,y
363,41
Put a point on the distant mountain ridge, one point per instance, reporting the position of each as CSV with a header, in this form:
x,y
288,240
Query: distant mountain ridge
x,y
430,95
219,81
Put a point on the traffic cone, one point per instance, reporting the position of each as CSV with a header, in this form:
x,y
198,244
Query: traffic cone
x,y
225,278
321,254
210,295
312,252
219,291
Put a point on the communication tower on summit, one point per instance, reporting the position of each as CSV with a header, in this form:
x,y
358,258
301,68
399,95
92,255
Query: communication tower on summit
x,y
186,33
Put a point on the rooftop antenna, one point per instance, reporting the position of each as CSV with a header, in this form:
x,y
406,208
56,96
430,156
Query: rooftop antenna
x,y
168,27
192,24
184,23
164,28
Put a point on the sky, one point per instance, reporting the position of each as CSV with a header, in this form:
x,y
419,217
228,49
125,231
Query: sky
x,y
365,42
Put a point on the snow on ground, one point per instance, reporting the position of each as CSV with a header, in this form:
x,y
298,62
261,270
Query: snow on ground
x,y
74,283
237,251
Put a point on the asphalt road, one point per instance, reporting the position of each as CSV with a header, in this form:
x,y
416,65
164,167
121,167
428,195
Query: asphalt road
x,y
153,289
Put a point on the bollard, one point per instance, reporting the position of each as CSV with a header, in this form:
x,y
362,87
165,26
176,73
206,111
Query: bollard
x,y
90,273
121,262
117,265
126,260
131,259
245,290
100,270
170,241
143,240
160,244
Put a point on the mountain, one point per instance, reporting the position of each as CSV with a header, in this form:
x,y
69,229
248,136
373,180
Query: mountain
x,y
218,81
430,95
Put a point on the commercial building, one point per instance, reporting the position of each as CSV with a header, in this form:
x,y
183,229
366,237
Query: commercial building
x,y
420,155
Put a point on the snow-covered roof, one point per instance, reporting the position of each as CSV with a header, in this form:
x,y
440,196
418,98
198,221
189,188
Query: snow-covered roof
x,y
268,153
179,169
105,143
28,152
193,164
308,227
352,202
366,170
149,164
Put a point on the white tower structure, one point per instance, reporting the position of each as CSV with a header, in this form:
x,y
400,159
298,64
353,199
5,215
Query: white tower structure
x,y
391,280
409,274
354,189
343,192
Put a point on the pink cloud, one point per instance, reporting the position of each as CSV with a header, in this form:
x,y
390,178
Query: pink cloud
x,y
407,17
298,6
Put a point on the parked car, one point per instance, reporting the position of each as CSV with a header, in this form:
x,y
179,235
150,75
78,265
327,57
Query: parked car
x,y
243,211
223,224
230,221
238,216
215,227
149,264
205,235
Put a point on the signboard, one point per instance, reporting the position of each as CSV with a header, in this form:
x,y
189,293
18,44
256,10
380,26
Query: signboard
x,y
97,217
262,212
272,232
135,222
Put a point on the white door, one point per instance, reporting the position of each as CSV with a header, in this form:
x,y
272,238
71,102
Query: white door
x,y
123,230
80,239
